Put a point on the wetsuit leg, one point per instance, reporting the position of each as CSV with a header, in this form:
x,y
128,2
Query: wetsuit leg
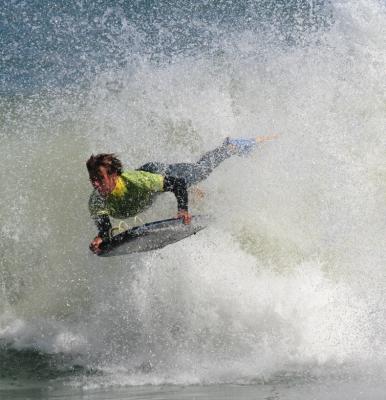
x,y
196,172
192,172
178,177
154,168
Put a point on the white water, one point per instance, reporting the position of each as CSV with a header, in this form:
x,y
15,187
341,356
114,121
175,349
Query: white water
x,y
289,279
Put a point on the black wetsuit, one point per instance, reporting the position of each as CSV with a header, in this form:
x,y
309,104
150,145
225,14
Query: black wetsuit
x,y
137,193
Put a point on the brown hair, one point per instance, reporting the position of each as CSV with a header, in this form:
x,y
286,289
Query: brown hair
x,y
109,161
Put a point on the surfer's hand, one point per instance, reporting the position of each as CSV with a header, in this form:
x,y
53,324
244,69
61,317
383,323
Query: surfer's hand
x,y
94,245
186,217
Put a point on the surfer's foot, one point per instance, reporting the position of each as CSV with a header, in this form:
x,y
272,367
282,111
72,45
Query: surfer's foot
x,y
240,146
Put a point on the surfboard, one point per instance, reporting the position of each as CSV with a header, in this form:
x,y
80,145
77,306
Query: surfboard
x,y
152,236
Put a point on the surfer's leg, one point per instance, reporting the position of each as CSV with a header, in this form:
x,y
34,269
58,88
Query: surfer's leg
x,y
154,168
196,172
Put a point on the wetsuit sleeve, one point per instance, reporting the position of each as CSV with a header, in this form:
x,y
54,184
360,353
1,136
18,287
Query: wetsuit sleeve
x,y
179,187
104,226
100,216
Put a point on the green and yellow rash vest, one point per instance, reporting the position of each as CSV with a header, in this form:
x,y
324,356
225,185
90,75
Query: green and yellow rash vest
x,y
133,193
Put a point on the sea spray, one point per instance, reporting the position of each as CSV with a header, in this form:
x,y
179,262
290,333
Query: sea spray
x,y
289,279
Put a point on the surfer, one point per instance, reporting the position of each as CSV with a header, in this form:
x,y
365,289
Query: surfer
x,y
123,194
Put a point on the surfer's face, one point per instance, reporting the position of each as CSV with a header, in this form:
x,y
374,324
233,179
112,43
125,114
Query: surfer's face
x,y
104,182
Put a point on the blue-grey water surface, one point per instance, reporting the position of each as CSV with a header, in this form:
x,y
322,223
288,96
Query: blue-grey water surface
x,y
282,297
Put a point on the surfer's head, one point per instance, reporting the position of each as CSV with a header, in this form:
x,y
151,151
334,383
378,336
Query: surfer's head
x,y
103,170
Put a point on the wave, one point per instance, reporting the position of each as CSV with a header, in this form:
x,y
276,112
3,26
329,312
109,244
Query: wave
x,y
289,277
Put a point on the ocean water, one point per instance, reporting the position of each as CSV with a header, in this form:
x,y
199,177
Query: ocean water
x,y
282,297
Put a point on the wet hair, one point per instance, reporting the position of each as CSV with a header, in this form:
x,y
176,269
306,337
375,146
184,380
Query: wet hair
x,y
109,161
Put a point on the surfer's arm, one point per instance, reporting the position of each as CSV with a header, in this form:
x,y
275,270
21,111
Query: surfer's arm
x,y
180,189
100,215
104,226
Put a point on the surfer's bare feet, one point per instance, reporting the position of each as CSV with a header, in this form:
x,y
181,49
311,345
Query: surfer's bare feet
x,y
260,139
